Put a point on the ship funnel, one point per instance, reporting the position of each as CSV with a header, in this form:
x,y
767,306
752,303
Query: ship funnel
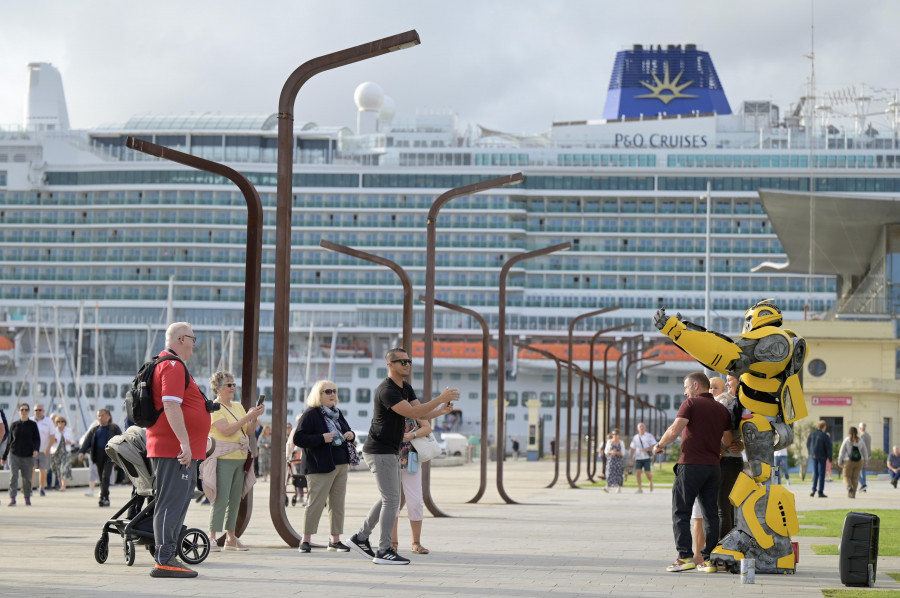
x,y
45,101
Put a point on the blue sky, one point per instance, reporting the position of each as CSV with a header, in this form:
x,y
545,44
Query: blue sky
x,y
512,65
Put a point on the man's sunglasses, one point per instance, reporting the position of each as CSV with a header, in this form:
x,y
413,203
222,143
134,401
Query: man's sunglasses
x,y
402,361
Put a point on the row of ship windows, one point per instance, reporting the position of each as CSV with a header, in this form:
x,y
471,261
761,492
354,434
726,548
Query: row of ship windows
x,y
96,203
484,255
364,274
783,161
450,181
87,222
231,287
328,297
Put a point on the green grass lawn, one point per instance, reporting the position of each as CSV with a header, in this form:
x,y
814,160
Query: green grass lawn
x,y
861,593
663,476
830,523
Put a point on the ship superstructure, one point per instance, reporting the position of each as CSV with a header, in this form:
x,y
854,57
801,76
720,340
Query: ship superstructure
x,y
101,246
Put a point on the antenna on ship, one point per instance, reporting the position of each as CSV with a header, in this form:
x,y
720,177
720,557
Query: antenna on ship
x,y
811,139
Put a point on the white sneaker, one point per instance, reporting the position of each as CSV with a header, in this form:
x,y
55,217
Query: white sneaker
x,y
638,491
89,493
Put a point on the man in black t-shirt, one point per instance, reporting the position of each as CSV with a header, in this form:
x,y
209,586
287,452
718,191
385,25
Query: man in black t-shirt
x,y
395,400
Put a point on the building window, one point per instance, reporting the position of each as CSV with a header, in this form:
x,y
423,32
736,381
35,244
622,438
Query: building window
x,y
816,367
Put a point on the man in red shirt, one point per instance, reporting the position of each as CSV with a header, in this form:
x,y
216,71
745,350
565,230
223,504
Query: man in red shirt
x,y
174,443
705,425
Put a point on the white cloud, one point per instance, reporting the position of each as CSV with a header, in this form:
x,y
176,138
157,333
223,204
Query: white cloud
x,y
510,65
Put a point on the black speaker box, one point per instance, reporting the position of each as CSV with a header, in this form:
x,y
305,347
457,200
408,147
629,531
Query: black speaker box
x,y
859,549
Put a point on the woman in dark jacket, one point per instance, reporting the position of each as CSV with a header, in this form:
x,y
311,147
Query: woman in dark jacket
x,y
323,434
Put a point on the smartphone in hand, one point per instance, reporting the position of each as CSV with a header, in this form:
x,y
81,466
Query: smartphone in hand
x,y
260,400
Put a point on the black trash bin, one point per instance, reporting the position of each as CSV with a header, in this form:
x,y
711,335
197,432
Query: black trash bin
x,y
859,549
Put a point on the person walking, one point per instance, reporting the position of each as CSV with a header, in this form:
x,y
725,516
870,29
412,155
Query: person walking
x,y
820,448
852,458
174,443
60,459
95,444
395,400
411,480
324,436
42,461
615,462
706,426
641,444
226,477
866,439
21,449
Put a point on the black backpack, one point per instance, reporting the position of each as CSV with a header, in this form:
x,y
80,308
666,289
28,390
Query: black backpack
x,y
855,455
139,399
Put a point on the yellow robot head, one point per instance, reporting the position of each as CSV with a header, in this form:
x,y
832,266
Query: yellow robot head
x,y
764,313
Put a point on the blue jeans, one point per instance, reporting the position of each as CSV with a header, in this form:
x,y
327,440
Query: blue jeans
x,y
782,462
818,475
862,477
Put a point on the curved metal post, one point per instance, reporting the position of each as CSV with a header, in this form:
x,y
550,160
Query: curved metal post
x,y
558,362
251,280
619,371
572,323
501,358
627,396
285,180
642,403
430,251
485,363
607,398
401,273
591,467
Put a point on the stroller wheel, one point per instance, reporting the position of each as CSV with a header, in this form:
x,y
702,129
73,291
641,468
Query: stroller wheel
x,y
194,546
293,501
285,501
129,552
101,549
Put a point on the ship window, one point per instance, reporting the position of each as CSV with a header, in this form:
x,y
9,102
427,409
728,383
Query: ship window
x,y
363,395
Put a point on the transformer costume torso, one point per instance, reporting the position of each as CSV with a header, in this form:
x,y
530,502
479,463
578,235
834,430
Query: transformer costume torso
x,y
768,361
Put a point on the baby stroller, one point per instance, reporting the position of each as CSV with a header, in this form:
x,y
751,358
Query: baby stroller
x,y
129,451
295,480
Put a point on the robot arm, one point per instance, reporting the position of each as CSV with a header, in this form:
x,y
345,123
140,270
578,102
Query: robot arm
x,y
713,350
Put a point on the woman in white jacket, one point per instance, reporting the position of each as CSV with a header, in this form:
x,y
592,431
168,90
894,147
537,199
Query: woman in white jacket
x,y
852,458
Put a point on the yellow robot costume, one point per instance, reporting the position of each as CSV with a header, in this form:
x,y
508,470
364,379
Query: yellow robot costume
x,y
768,361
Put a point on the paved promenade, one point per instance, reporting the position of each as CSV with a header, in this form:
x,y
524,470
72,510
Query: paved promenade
x,y
556,542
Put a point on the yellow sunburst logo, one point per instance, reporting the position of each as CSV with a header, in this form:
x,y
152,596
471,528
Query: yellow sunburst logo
x,y
666,85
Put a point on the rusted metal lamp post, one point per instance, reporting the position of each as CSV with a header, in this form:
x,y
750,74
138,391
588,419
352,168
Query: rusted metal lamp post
x,y
639,401
284,195
398,270
627,396
591,467
607,389
251,279
619,372
430,258
572,323
485,363
501,357
558,417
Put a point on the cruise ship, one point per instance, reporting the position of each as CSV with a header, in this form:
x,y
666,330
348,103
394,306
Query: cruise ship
x,y
102,246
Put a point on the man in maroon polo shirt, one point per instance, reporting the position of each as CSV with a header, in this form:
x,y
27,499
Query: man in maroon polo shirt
x,y
705,426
